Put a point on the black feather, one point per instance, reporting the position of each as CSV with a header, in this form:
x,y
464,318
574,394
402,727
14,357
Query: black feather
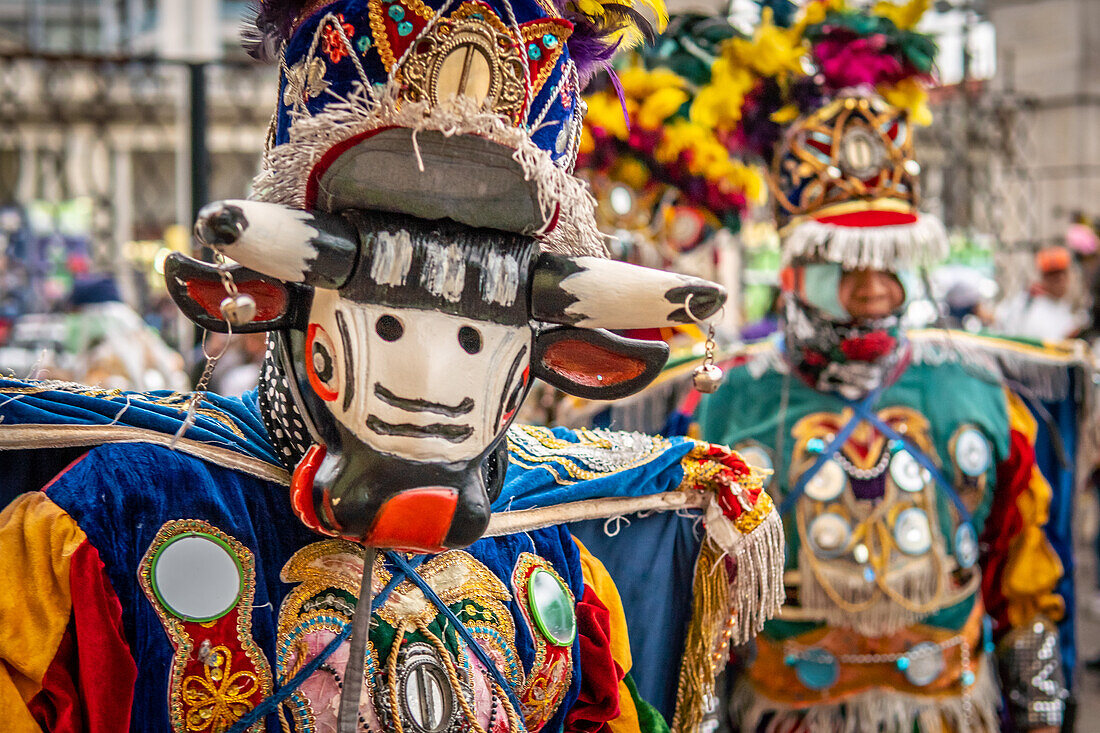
x,y
268,25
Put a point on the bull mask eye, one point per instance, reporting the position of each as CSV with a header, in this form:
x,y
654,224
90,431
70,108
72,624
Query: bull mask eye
x,y
469,339
389,328
321,363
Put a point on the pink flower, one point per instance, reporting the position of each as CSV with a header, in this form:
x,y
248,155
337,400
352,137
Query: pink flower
x,y
858,62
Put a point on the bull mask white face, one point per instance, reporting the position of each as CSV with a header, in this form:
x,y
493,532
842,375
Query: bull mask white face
x,y
402,348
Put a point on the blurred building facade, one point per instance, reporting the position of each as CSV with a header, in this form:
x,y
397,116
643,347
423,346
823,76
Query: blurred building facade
x,y
1049,52
98,100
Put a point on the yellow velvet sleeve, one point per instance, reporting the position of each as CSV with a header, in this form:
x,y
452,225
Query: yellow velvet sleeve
x,y
597,578
37,542
1032,569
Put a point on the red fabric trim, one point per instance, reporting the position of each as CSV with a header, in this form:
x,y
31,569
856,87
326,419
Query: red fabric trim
x,y
89,686
1004,524
598,701
870,219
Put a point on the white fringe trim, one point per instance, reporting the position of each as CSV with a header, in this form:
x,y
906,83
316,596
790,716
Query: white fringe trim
x,y
1046,377
758,593
286,168
881,709
877,248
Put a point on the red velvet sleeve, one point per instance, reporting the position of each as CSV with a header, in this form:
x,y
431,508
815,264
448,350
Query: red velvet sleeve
x,y
600,675
89,685
1004,524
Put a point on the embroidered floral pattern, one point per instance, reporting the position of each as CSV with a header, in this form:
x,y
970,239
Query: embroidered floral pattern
x,y
335,44
220,696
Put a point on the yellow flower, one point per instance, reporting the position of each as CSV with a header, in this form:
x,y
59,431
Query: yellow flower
x,y
659,106
904,16
814,13
718,104
632,172
772,51
785,114
605,111
910,96
637,82
588,143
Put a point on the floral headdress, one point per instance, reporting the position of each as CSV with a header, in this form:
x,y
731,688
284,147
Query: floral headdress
x,y
827,98
640,132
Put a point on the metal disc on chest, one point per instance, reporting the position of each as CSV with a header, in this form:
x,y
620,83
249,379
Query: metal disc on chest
x,y
912,532
907,473
817,669
197,577
923,663
828,483
424,694
966,545
973,455
830,534
551,607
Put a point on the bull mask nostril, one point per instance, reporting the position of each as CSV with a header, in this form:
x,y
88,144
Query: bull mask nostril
x,y
220,225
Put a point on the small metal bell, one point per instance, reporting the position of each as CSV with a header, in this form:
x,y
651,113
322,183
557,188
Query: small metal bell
x,y
238,309
706,378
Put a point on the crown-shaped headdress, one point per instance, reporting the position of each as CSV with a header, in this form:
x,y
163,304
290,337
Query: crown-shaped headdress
x,y
828,99
463,109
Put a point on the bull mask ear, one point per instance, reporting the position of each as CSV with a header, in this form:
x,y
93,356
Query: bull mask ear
x,y
596,293
596,364
198,291
284,243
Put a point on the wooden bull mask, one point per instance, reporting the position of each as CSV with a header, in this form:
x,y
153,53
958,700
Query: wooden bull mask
x,y
401,349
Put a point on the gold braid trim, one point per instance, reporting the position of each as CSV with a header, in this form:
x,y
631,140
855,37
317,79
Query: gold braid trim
x,y
702,652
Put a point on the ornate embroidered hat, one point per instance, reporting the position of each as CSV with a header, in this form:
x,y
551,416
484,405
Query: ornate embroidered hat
x,y
463,109
829,100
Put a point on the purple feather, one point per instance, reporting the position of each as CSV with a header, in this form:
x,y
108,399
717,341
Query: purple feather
x,y
591,45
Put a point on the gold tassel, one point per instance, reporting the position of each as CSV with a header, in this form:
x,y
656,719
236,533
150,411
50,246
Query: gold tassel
x,y
706,641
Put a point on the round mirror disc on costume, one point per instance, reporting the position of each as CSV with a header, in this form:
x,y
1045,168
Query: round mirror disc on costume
x,y
973,455
754,455
551,607
830,534
817,669
197,577
926,663
427,700
966,545
912,533
908,475
827,483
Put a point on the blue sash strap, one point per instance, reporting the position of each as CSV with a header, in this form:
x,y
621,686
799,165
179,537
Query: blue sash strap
x,y
919,456
461,630
836,444
269,705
